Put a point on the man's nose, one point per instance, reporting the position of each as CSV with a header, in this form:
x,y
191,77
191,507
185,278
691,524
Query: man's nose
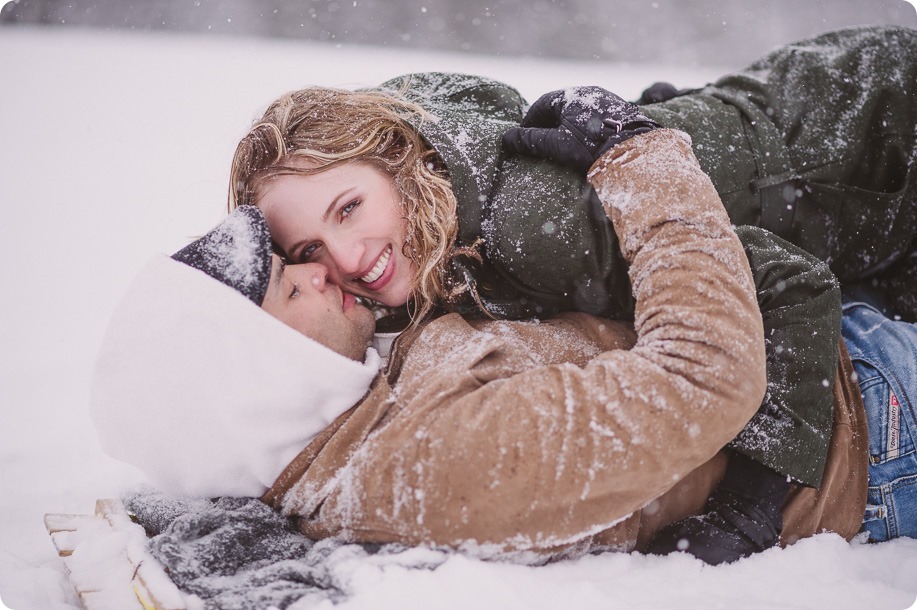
x,y
317,274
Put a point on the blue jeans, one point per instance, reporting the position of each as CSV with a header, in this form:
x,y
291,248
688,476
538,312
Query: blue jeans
x,y
884,354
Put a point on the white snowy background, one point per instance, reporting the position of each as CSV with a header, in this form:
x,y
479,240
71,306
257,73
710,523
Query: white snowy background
x,y
114,146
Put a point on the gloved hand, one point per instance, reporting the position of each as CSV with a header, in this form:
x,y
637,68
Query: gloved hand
x,y
660,92
574,127
743,517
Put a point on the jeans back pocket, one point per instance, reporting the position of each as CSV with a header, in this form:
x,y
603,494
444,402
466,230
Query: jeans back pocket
x,y
890,423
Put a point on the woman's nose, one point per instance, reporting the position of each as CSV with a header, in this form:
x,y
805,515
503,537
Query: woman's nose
x,y
347,257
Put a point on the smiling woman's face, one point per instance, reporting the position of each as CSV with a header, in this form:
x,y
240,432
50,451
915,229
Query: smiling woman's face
x,y
350,219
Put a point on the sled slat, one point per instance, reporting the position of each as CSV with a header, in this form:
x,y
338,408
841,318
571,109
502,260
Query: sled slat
x,y
63,542
64,523
104,574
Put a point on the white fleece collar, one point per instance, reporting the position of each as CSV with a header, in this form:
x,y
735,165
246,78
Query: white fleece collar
x,y
205,392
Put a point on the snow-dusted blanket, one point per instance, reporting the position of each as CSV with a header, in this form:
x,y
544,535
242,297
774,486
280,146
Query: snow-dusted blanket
x,y
238,553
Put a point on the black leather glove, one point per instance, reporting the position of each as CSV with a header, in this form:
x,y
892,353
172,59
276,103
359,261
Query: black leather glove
x,y
660,92
574,127
743,517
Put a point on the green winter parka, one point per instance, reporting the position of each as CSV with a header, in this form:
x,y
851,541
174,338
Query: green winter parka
x,y
817,143
546,245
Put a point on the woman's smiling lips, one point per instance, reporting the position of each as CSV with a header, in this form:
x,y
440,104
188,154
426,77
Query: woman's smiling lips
x,y
381,271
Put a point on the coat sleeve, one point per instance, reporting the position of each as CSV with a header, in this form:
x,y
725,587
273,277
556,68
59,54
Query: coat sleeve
x,y
800,303
544,457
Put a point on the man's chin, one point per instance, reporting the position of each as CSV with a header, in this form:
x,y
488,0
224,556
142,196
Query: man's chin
x,y
365,323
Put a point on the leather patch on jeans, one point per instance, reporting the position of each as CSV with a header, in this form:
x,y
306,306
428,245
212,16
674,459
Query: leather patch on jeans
x,y
894,415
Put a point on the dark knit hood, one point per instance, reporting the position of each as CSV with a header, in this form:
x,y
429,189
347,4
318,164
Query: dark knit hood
x,y
507,201
468,115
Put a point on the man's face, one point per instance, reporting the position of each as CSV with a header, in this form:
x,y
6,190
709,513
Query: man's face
x,y
301,297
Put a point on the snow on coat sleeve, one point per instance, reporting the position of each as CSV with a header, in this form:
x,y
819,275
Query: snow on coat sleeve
x,y
487,448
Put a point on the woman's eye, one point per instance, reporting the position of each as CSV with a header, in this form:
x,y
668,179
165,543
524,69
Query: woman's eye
x,y
349,208
306,253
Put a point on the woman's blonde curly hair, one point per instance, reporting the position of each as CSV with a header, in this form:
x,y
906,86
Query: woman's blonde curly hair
x,y
325,128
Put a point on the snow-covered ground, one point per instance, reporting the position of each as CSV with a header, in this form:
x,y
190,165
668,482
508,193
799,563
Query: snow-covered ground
x,y
115,146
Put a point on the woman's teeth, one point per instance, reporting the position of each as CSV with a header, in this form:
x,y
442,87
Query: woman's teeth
x,y
376,272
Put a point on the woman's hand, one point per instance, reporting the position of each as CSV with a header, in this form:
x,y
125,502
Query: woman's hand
x,y
575,126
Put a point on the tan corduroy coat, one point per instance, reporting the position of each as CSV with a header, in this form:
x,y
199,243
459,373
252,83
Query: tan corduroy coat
x,y
545,439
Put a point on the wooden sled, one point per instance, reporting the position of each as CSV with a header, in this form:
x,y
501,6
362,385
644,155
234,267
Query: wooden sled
x,y
107,561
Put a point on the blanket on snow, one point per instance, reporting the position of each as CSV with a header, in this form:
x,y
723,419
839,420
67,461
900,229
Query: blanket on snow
x,y
238,553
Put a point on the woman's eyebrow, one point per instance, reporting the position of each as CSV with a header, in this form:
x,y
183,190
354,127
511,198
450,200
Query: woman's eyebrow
x,y
334,202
